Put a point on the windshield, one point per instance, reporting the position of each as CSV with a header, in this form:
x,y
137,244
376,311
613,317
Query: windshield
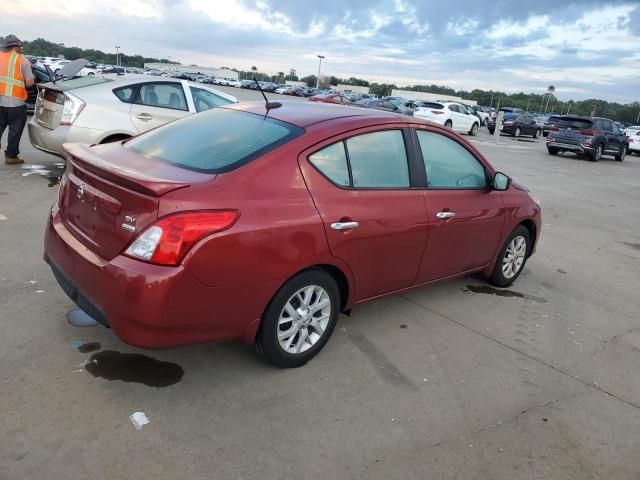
x,y
215,141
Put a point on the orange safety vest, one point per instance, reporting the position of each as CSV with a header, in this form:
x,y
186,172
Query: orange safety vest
x,y
11,79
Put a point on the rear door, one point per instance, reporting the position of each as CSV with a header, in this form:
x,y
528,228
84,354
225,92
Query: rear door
x,y
374,220
465,216
615,138
157,103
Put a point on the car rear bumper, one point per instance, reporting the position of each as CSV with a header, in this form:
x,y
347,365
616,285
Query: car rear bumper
x,y
634,147
569,146
152,306
51,141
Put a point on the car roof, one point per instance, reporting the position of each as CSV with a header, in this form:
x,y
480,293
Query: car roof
x,y
305,114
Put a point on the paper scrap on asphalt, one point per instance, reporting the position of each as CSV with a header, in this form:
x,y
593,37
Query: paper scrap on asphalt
x,y
2,217
139,419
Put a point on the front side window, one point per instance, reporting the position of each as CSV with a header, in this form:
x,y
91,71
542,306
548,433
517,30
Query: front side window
x,y
378,160
163,95
449,164
206,100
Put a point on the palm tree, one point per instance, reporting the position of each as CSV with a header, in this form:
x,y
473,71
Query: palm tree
x,y
550,90
281,75
254,69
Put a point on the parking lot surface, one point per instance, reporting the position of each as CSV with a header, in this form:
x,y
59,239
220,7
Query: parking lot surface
x,y
453,381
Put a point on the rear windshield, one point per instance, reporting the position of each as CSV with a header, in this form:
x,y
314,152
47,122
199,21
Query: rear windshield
x,y
435,106
79,82
574,123
215,141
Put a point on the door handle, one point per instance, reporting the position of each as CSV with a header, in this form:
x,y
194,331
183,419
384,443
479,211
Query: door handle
x,y
344,225
446,214
144,116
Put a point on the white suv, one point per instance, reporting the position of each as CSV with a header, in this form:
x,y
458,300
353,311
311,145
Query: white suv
x,y
450,114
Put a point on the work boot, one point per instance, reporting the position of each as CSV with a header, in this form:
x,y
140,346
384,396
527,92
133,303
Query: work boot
x,y
13,160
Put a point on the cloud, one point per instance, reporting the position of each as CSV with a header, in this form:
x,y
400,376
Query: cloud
x,y
586,48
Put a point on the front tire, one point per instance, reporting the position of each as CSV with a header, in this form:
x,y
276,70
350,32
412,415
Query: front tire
x,y
511,258
552,150
448,124
536,134
516,132
299,319
474,130
485,123
621,154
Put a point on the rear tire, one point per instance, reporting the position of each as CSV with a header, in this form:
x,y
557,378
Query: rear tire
x,y
597,153
536,134
552,150
486,122
292,311
511,258
115,138
516,132
474,130
621,154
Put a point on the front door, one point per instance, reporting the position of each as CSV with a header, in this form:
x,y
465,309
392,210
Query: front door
x,y
157,103
465,216
373,219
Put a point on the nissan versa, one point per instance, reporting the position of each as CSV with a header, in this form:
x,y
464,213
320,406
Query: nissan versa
x,y
261,224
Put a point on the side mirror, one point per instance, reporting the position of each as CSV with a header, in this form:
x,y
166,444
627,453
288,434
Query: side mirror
x,y
501,181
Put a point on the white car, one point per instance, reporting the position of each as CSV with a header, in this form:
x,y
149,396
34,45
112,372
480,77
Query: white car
x,y
233,83
450,114
109,108
632,130
281,90
634,143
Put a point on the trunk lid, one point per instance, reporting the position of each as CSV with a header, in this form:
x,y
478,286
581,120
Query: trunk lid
x,y
109,194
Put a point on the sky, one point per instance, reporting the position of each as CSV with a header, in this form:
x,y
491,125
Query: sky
x,y
585,48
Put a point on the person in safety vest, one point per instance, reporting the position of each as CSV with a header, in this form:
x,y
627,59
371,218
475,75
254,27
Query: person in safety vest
x,y
15,77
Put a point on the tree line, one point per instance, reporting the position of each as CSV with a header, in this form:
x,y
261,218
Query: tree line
x,y
548,102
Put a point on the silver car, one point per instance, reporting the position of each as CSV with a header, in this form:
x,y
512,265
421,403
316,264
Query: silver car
x,y
102,109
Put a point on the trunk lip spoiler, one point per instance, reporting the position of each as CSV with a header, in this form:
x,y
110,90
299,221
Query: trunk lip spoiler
x,y
134,180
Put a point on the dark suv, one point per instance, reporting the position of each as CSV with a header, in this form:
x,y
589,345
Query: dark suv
x,y
549,123
589,136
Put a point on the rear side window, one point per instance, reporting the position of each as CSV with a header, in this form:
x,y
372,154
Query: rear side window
x,y
378,160
163,95
449,164
332,163
215,141
125,94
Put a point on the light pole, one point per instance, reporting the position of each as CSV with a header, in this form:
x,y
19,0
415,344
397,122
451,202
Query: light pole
x,y
117,55
319,67
528,102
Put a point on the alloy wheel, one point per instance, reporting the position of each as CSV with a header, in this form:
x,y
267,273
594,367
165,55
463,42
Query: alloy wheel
x,y
517,132
514,257
304,319
598,153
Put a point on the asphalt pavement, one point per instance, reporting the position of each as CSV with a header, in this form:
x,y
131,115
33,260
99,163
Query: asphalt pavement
x,y
453,381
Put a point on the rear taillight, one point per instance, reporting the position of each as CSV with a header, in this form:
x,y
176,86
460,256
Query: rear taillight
x,y
168,240
72,108
589,133
508,122
554,128
631,140
437,112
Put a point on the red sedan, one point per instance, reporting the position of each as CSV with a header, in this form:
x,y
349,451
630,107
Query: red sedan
x,y
331,98
263,225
